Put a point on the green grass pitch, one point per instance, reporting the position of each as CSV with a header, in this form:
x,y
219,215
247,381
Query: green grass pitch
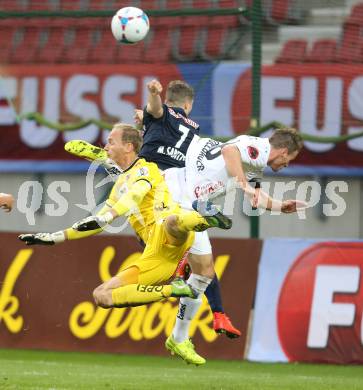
x,y
22,370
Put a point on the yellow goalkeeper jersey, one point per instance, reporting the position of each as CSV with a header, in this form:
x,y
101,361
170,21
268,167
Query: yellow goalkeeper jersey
x,y
157,203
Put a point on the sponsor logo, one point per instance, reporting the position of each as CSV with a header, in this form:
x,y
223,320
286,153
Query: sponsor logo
x,y
209,190
320,306
252,152
9,303
142,172
181,312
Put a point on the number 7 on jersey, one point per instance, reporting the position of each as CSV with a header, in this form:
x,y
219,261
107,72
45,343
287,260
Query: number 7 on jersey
x,y
185,132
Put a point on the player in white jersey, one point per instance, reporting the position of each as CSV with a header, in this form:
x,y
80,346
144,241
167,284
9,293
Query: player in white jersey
x,y
213,168
206,174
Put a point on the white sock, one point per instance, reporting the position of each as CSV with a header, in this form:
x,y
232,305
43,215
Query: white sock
x,y
188,307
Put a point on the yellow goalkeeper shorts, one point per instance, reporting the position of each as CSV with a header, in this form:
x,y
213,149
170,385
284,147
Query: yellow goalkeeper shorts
x,y
159,261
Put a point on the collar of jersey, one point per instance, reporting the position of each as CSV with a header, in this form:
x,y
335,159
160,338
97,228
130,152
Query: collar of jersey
x,y
180,110
133,164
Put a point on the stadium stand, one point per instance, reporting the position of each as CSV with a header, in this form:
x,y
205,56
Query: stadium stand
x,y
314,33
323,50
294,51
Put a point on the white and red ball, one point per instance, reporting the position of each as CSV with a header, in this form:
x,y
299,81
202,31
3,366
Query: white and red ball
x,y
130,25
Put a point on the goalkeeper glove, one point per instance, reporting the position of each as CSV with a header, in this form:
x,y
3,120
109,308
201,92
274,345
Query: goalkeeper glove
x,y
93,222
42,238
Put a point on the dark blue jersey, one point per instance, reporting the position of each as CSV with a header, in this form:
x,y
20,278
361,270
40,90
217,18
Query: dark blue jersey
x,y
166,139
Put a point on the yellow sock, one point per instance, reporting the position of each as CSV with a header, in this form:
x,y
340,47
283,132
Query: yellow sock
x,y
191,221
139,294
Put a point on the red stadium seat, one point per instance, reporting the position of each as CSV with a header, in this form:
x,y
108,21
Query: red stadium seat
x,y
13,5
356,14
104,5
104,51
350,53
130,54
293,52
8,42
26,51
168,21
44,5
159,46
190,32
218,30
280,10
77,51
71,5
352,32
52,50
323,50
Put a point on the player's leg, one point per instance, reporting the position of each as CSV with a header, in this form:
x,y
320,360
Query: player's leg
x,y
180,224
221,322
201,257
125,290
91,152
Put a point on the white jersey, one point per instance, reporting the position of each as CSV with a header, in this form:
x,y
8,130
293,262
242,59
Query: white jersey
x,y
206,175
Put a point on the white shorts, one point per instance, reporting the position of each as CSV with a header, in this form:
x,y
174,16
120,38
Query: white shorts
x,y
201,244
175,179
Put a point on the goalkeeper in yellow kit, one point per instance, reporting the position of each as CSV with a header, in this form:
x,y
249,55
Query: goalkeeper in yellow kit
x,y
141,194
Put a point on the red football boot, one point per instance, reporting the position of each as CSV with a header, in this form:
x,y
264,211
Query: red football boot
x,y
183,271
222,324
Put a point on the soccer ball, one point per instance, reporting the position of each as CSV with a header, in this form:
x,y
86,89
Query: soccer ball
x,y
130,25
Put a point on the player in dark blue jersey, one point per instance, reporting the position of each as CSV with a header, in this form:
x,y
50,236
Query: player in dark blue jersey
x,y
168,133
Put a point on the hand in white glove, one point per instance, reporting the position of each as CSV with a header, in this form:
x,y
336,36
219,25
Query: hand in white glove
x,y
42,238
93,222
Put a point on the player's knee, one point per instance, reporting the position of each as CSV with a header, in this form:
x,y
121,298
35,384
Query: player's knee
x,y
202,264
171,223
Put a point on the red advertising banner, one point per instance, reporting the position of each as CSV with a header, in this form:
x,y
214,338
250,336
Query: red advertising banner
x,y
310,294
46,299
68,94
323,100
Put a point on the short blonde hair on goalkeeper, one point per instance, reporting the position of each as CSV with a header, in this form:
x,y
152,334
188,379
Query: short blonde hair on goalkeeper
x,y
130,134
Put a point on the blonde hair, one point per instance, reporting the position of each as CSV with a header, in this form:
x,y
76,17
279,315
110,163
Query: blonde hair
x,y
130,134
288,138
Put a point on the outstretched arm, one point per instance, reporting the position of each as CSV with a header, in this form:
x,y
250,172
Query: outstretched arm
x,y
60,236
258,198
154,104
127,202
93,224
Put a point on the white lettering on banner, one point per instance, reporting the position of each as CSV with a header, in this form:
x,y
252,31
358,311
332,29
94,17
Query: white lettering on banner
x,y
76,87
61,201
72,94
113,88
315,192
273,89
35,190
30,133
309,103
340,205
330,280
355,104
8,87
